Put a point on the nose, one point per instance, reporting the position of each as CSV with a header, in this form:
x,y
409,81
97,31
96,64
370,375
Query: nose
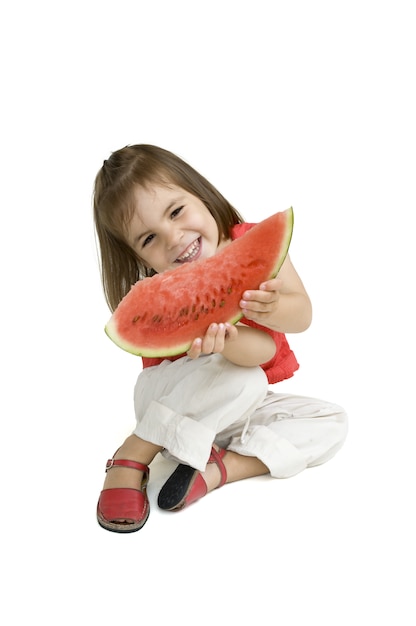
x,y
174,236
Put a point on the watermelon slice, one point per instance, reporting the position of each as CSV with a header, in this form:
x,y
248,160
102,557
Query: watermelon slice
x,y
162,315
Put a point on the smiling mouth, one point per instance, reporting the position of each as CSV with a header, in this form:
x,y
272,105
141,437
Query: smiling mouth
x,y
191,253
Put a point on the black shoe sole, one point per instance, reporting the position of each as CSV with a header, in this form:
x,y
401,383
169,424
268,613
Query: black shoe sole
x,y
172,495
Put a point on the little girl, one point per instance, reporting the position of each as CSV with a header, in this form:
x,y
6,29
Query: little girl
x,y
211,410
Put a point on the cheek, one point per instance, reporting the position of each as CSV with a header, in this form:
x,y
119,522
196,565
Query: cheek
x,y
155,263
146,260
212,229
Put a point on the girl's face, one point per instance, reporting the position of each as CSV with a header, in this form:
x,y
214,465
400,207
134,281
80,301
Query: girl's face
x,y
170,227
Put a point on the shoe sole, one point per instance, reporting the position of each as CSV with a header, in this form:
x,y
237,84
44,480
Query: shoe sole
x,y
122,528
173,493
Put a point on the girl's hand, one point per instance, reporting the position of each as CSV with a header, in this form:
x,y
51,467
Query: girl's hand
x,y
213,340
261,305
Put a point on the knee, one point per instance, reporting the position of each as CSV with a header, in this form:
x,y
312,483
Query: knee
x,y
254,381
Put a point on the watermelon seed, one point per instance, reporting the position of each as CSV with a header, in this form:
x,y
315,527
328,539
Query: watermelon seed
x,y
136,318
222,303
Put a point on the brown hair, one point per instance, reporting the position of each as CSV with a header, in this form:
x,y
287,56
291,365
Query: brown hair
x,y
113,203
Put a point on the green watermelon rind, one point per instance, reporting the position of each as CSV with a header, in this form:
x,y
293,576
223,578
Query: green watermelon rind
x,y
113,333
286,242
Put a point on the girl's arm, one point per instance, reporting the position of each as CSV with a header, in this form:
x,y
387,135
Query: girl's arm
x,y
281,303
239,344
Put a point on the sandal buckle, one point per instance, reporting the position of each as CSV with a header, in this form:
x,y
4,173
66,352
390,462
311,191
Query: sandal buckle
x,y
109,464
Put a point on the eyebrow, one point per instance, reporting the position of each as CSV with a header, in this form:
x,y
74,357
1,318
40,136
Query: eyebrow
x,y
148,232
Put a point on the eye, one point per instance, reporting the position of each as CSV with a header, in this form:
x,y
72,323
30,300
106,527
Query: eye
x,y
147,240
176,212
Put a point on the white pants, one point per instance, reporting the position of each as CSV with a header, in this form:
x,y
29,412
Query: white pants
x,y
187,405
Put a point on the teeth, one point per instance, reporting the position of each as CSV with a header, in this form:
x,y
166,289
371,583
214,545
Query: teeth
x,y
191,252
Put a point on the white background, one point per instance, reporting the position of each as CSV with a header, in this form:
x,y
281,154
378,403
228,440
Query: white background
x,y
310,104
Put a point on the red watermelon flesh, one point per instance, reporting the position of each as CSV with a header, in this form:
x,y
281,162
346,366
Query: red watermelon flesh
x,y
162,315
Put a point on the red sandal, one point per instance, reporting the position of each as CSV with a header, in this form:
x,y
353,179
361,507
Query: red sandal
x,y
186,484
124,503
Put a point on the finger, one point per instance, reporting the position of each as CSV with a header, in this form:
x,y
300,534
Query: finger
x,y
220,338
259,312
195,349
231,332
274,284
259,296
208,341
214,340
255,306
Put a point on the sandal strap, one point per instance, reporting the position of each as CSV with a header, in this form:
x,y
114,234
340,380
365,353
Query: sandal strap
x,y
216,457
126,463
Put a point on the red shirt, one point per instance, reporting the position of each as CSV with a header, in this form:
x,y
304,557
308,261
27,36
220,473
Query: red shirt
x,y
282,365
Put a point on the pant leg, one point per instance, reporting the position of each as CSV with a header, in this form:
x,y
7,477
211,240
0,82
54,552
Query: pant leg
x,y
290,433
182,405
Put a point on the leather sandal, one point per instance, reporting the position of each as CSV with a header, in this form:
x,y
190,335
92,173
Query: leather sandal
x,y
124,503
186,484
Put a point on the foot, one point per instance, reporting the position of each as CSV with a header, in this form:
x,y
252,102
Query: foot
x,y
124,509
123,505
212,475
186,484
133,449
